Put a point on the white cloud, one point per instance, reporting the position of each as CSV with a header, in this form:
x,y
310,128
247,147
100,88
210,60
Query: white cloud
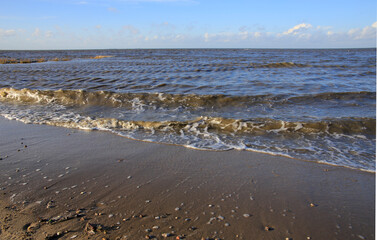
x,y
206,37
297,29
368,32
244,35
37,32
241,37
7,33
257,34
330,33
48,34
155,37
218,37
179,37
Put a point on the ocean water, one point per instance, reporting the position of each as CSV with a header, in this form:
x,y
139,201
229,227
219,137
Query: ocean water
x,y
317,105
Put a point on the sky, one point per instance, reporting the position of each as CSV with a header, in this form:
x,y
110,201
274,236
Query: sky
x,y
109,24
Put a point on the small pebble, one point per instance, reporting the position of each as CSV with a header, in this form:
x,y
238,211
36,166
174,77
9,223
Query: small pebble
x,y
166,235
267,228
50,204
226,224
210,220
246,215
177,209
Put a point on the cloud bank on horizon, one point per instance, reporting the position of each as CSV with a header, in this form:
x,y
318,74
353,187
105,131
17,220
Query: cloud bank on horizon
x,y
95,24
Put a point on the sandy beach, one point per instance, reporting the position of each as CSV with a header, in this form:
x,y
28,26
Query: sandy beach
x,y
58,183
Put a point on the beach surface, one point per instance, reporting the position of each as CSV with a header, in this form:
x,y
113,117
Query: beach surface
x,y
59,183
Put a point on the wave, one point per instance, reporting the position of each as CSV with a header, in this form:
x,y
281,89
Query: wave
x,y
222,67
77,98
336,96
235,66
114,99
231,126
216,125
346,141
280,65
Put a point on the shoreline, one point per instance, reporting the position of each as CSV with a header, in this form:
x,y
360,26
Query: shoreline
x,y
66,181
195,148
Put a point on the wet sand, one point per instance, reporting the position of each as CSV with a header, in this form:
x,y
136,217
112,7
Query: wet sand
x,y
58,183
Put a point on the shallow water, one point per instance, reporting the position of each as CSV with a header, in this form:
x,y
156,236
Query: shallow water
x,y
309,104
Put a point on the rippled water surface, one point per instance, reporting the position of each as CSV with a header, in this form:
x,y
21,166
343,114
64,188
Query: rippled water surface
x,y
309,104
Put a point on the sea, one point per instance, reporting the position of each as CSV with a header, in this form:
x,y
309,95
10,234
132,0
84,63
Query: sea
x,y
310,104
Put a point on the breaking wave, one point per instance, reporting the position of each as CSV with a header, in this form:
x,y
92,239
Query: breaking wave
x,y
113,99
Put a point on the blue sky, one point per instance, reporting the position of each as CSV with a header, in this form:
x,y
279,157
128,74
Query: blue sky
x,y
88,24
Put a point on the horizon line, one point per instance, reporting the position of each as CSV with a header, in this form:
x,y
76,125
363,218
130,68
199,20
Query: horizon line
x,y
183,48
